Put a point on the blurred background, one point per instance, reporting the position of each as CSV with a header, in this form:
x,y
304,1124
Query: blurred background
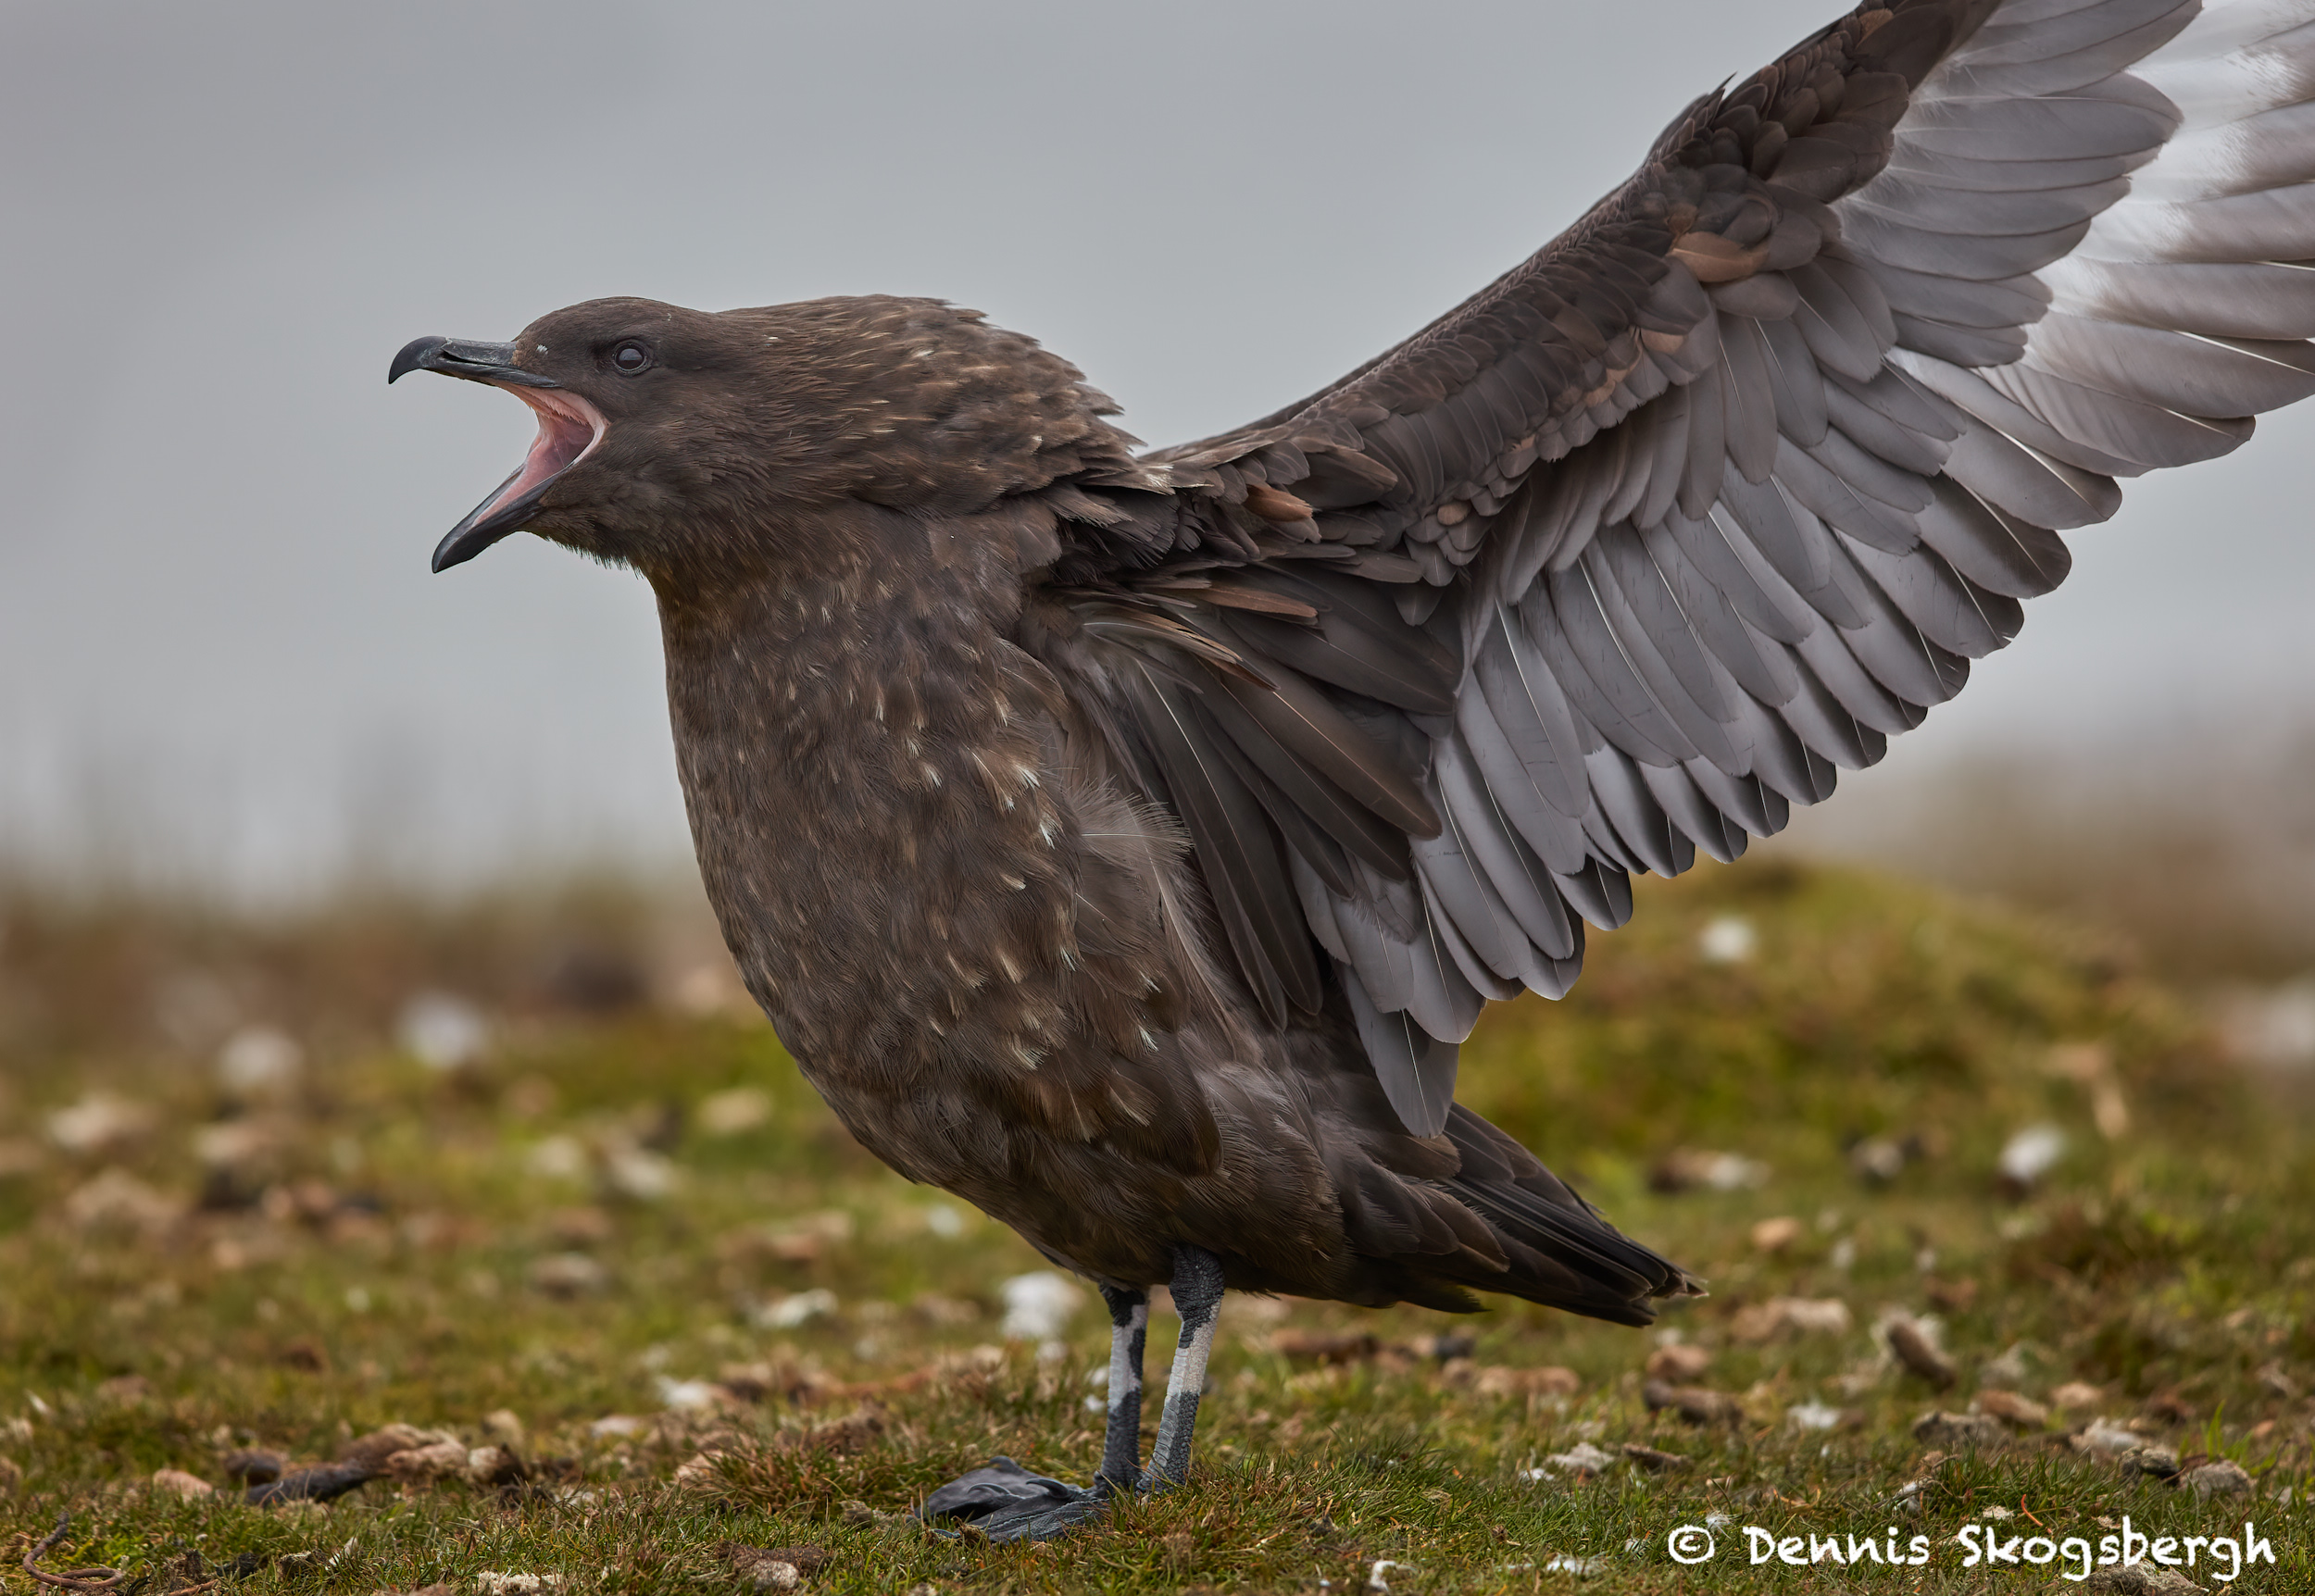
x,y
228,684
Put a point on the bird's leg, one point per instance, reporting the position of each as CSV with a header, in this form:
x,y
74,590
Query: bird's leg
x,y
1197,1289
1009,1503
1129,1333
1006,1501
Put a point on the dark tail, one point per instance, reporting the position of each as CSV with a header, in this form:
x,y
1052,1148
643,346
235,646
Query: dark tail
x,y
1561,1251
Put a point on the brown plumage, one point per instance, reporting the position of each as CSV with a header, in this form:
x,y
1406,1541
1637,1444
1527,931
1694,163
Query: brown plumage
x,y
1123,842
935,858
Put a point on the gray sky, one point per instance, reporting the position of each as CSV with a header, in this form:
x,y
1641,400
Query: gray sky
x,y
220,645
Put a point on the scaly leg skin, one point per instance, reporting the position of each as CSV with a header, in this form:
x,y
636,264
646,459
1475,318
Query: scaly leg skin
x,y
1006,1501
1129,1334
1197,1298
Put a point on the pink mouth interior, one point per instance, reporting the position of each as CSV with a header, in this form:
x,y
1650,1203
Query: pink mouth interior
x,y
568,427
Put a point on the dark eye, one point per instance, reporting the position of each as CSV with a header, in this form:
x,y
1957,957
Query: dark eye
x,y
631,357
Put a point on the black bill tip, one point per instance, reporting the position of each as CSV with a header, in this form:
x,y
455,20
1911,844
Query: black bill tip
x,y
414,357
465,540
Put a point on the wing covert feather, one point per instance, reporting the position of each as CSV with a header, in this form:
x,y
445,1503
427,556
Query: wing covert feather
x,y
1630,552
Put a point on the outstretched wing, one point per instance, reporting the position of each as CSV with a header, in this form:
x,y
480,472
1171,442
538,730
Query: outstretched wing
x,y
1730,482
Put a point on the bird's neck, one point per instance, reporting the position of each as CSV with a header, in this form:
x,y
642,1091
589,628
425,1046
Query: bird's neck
x,y
864,759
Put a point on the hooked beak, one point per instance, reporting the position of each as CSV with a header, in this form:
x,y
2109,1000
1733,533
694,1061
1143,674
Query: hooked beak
x,y
569,429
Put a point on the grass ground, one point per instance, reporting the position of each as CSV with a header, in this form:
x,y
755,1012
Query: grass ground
x,y
633,1255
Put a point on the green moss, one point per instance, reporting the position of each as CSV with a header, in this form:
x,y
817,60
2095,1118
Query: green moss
x,y
388,1257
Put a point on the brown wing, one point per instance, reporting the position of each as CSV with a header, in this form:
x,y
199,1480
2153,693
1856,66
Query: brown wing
x,y
1728,483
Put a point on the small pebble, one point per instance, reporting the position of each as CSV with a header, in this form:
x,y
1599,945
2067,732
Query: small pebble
x,y
1686,1168
1583,1458
309,1486
1880,1159
2008,1406
1960,1431
1654,1462
701,1473
1775,1234
2142,1581
423,1464
1910,1341
2108,1440
2219,1477
252,1465
1678,1362
371,1451
1759,1322
2159,1461
1694,1403
2007,1371
2031,1153
492,1582
1039,1306
569,1274
773,1567
493,1465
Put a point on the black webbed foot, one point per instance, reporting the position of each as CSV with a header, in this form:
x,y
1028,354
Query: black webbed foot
x,y
1005,1502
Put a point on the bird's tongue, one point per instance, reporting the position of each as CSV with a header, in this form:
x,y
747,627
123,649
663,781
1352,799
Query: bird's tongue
x,y
568,427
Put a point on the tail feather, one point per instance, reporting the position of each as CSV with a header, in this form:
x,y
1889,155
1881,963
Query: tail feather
x,y
1589,1267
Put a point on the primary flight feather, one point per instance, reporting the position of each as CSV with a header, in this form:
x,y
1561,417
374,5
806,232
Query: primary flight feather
x,y
1124,841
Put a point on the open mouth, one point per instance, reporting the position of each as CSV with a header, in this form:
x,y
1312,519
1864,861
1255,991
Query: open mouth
x,y
569,427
